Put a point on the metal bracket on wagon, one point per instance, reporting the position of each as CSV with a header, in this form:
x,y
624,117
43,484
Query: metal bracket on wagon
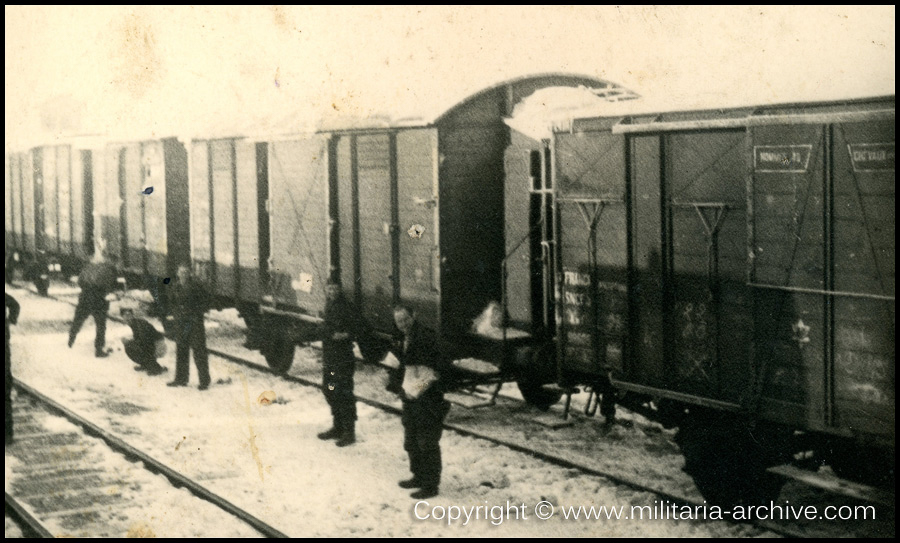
x,y
291,315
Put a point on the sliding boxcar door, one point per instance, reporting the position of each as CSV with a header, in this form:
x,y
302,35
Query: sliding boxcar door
x,y
298,203
377,227
788,270
707,305
417,210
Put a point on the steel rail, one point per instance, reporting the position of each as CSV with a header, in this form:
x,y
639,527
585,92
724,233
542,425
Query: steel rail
x,y
31,526
153,465
540,455
549,458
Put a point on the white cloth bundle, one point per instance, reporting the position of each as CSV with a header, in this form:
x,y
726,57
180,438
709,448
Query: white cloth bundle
x,y
391,361
417,380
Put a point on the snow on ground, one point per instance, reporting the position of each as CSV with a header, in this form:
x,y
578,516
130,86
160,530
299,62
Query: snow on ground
x,y
12,530
143,504
265,456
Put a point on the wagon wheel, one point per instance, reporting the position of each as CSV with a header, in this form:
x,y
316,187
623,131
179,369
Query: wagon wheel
x,y
867,465
536,369
728,460
277,346
279,355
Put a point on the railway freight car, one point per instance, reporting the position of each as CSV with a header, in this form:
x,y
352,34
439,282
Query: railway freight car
x,y
142,223
19,210
407,210
736,267
49,208
229,222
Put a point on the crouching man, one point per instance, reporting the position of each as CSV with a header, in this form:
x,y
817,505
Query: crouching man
x,y
146,345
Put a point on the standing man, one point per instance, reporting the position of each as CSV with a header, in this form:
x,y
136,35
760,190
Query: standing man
x,y
423,373
191,302
341,326
97,281
146,344
12,316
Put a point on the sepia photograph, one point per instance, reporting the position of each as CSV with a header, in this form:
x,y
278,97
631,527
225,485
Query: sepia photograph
x,y
449,271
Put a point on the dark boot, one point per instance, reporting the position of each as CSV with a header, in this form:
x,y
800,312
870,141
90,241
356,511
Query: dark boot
x,y
333,433
348,434
425,493
410,483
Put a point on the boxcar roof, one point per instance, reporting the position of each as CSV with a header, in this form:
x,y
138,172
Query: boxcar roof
x,y
641,116
427,112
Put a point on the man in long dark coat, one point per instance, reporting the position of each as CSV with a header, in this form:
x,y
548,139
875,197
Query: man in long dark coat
x,y
342,325
12,316
190,303
424,407
97,280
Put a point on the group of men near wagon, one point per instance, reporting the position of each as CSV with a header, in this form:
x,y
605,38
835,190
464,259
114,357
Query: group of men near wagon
x,y
419,372
98,280
189,301
418,376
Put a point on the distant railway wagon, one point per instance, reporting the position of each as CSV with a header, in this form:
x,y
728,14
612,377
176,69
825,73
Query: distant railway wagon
x,y
737,261
70,201
49,197
19,205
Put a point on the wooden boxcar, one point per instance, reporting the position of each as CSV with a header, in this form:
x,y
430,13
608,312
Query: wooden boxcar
x,y
50,206
142,198
396,211
361,206
737,261
20,242
228,196
19,206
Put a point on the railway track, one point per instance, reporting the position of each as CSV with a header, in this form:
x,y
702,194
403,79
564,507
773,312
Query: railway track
x,y
76,479
473,428
24,520
470,430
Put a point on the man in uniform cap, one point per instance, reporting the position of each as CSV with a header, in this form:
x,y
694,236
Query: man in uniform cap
x,y
191,302
342,325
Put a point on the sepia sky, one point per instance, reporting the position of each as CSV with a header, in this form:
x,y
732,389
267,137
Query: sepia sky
x,y
142,71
